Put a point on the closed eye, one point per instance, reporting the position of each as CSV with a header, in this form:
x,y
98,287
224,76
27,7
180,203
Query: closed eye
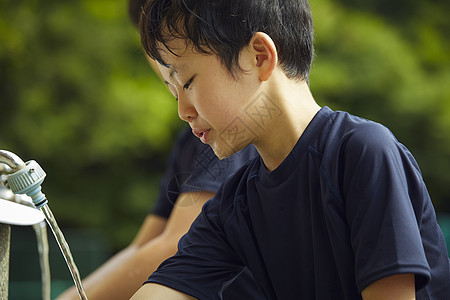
x,y
188,84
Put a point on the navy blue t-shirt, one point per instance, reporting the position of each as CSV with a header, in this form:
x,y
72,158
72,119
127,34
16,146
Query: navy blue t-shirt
x,y
193,167
347,207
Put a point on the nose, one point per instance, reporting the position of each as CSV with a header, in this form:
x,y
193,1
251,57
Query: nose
x,y
186,111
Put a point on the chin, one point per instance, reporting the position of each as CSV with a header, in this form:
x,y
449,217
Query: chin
x,y
221,152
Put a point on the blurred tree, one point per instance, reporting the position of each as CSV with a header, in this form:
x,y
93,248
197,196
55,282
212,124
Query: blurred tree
x,y
78,96
395,73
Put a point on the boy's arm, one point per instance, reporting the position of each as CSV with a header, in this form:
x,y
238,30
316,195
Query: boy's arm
x,y
155,291
398,287
125,273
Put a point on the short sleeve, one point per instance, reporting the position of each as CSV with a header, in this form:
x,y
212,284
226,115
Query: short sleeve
x,y
384,199
167,195
205,262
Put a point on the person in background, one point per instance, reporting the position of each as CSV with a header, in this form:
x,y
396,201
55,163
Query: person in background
x,y
335,207
192,176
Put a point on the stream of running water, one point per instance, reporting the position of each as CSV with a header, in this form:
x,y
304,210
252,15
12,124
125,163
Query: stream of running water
x,y
64,249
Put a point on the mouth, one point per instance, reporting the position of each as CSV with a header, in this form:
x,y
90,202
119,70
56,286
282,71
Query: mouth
x,y
202,134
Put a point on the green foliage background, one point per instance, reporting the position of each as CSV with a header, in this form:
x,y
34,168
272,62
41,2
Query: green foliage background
x,y
77,95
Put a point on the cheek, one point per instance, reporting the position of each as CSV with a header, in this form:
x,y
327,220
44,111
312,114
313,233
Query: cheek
x,y
215,104
225,110
222,99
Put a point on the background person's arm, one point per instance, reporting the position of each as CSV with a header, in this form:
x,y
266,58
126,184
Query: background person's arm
x,y
124,273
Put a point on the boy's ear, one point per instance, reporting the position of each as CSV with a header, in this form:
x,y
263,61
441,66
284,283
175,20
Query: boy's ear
x,y
265,52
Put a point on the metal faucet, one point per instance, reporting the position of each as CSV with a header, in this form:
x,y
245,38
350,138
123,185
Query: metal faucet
x,y
12,161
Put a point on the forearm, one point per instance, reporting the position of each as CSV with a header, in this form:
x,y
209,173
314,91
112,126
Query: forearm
x,y
98,285
96,282
125,273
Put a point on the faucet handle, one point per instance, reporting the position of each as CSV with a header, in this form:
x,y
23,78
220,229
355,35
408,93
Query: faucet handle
x,y
28,181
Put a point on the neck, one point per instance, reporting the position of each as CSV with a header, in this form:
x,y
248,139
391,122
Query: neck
x,y
291,108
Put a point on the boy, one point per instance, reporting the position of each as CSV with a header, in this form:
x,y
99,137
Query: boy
x,y
192,176
334,208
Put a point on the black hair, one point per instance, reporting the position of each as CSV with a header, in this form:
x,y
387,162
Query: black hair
x,y
225,27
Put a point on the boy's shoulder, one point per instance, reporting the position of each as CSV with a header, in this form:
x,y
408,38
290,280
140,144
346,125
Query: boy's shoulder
x,y
355,144
351,138
350,131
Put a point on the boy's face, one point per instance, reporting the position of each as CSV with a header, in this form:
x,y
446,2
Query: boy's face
x,y
209,99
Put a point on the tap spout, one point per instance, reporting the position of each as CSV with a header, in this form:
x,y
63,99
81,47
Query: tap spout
x,y
12,160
